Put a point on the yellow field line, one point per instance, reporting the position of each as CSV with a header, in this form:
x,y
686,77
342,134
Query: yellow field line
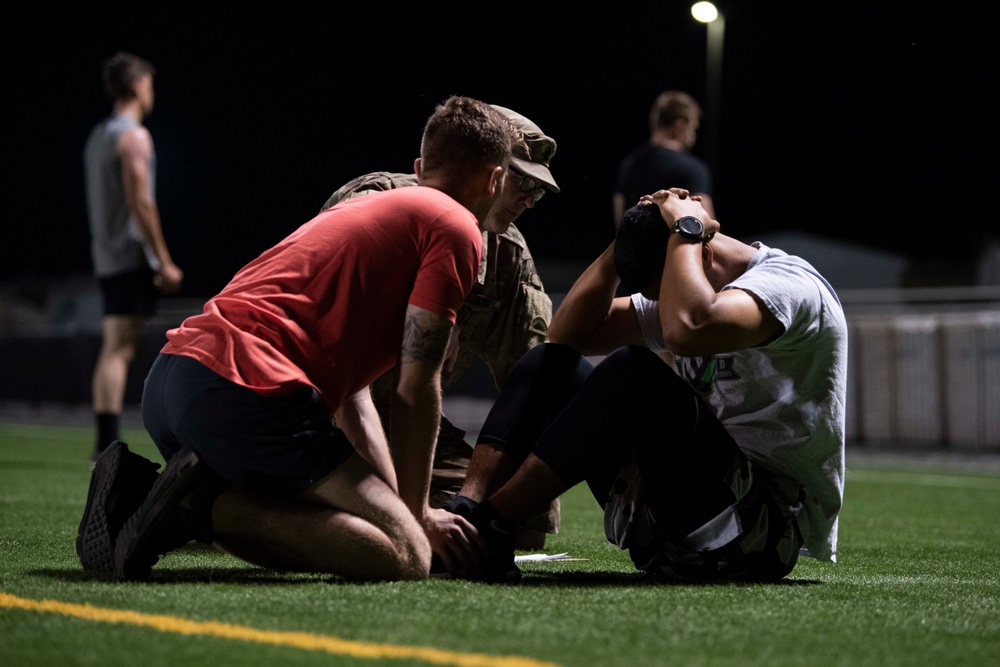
x,y
302,640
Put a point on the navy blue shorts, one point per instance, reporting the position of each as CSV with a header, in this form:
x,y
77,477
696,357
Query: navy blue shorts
x,y
131,293
269,445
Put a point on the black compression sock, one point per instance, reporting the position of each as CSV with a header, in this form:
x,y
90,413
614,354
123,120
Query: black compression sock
x,y
107,429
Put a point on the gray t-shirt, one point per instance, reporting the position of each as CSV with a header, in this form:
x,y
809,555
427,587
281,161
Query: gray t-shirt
x,y
116,244
783,402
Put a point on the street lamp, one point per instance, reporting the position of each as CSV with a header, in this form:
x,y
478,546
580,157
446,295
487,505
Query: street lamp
x,y
707,13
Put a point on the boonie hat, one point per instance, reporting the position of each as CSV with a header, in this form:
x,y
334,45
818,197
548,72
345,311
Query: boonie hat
x,y
541,149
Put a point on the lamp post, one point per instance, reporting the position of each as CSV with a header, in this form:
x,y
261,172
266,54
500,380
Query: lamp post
x,y
708,14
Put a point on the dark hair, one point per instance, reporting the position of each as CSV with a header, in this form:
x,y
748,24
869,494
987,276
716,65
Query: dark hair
x,y
121,71
640,247
463,132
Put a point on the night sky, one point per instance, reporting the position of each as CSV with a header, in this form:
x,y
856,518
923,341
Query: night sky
x,y
868,122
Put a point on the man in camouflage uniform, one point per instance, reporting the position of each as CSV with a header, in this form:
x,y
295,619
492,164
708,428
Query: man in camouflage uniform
x,y
506,313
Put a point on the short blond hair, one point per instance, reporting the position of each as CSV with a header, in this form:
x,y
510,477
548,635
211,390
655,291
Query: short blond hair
x,y
671,106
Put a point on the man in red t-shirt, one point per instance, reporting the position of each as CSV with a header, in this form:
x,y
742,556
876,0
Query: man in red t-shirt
x,y
261,405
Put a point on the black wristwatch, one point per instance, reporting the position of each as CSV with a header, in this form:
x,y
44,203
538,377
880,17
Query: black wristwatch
x,y
690,228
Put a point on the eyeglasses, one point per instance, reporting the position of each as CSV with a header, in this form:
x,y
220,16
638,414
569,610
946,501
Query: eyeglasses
x,y
527,183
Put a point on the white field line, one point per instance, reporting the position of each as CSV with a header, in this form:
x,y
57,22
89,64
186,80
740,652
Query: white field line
x,y
924,479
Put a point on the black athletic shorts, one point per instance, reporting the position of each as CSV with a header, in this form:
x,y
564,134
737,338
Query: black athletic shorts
x,y
270,445
131,293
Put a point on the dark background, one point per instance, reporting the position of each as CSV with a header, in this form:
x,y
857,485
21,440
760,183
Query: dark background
x,y
873,123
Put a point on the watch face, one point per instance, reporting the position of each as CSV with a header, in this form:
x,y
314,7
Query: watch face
x,y
690,227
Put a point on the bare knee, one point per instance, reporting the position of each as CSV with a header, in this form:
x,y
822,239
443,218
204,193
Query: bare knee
x,y
289,535
368,551
120,337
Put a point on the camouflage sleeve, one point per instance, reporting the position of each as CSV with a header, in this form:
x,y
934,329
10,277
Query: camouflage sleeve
x,y
506,313
373,182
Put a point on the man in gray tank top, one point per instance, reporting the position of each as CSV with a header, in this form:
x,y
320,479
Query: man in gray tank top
x,y
130,256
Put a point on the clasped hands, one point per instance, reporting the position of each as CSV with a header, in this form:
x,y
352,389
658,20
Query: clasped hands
x,y
675,203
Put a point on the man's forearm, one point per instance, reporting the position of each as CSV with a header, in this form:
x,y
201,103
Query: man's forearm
x,y
359,421
147,216
416,418
587,304
685,294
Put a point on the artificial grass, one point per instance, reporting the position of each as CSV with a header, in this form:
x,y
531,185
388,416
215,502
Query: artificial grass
x,y
918,583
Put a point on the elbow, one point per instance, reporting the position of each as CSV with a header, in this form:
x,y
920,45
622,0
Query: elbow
x,y
683,340
415,390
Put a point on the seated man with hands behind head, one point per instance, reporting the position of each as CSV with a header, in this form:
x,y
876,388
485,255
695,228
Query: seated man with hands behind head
x,y
712,433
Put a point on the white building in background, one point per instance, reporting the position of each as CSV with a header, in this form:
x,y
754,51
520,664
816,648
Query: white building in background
x,y
845,265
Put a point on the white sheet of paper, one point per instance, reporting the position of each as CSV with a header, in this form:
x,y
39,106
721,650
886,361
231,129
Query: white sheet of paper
x,y
537,557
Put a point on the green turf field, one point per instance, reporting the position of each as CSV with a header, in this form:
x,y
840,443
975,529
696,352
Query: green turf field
x,y
918,583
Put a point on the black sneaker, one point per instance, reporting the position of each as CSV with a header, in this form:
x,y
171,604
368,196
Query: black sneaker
x,y
461,506
176,511
500,535
96,454
118,484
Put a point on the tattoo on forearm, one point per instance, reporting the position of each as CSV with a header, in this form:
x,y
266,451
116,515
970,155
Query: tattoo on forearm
x,y
421,344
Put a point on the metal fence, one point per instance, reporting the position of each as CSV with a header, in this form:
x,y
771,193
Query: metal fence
x,y
924,367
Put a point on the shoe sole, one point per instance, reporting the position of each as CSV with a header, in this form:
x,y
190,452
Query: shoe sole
x,y
508,577
94,544
135,550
